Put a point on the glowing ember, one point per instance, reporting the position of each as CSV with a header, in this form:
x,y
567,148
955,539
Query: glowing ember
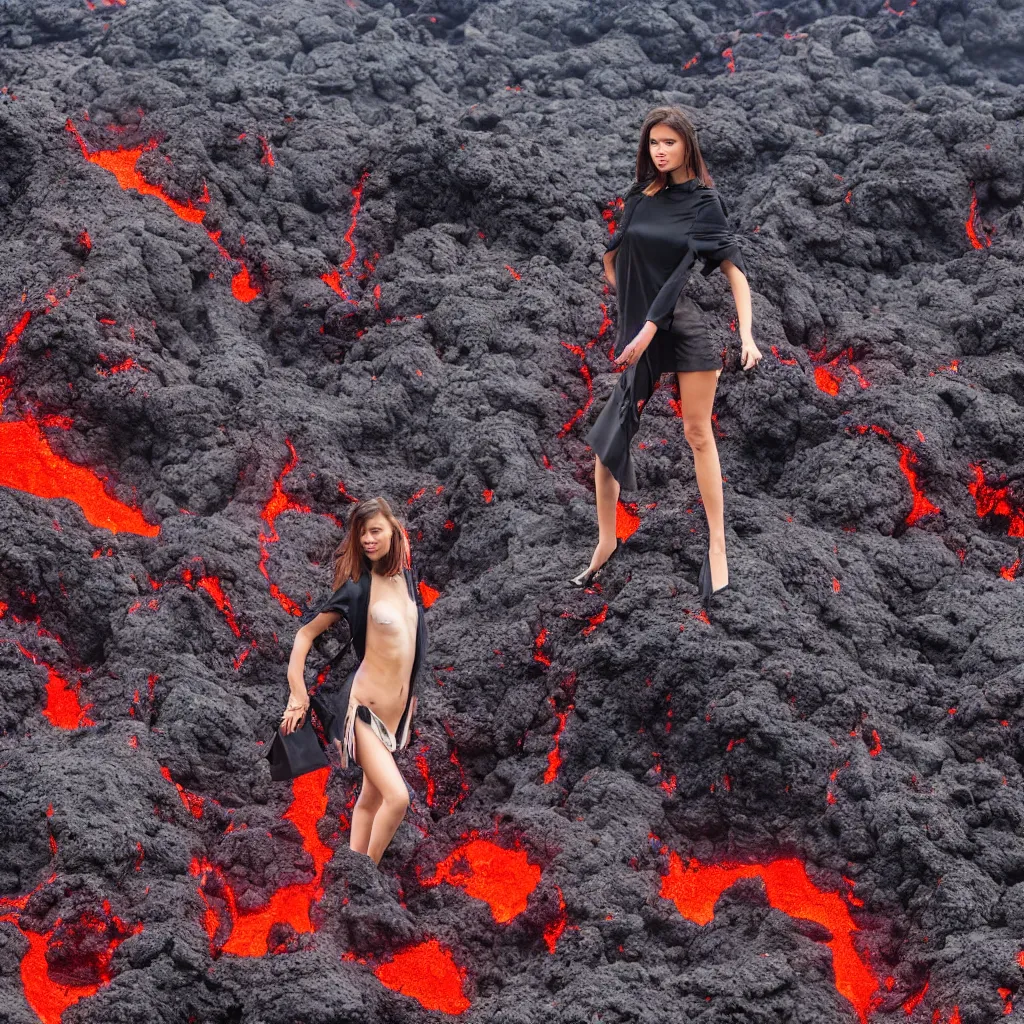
x,y
29,464
423,766
973,222
1009,572
333,278
996,501
242,288
503,879
595,621
555,753
538,653
580,351
428,974
915,1000
627,522
277,503
428,594
248,930
730,61
826,381
695,889
11,338
194,803
611,212
921,506
553,932
212,586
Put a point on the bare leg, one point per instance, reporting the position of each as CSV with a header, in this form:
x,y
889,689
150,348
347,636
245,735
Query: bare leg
x,y
696,399
380,770
606,489
366,808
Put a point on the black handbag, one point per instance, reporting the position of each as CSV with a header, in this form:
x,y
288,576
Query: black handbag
x,y
303,751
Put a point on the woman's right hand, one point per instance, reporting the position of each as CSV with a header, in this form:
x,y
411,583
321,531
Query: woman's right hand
x,y
294,714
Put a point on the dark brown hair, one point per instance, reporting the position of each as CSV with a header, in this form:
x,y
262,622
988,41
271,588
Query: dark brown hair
x,y
647,174
349,559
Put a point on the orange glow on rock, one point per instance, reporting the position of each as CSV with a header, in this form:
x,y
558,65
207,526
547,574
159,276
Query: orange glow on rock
x,y
915,1000
248,929
194,803
972,223
333,278
1009,572
11,338
538,644
428,974
428,594
595,621
627,522
553,931
29,464
921,506
503,879
695,889
826,380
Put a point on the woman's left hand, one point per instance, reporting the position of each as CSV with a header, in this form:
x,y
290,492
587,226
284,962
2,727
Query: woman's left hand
x,y
750,354
294,715
636,348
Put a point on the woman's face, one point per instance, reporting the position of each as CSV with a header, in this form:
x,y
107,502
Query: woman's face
x,y
667,148
376,537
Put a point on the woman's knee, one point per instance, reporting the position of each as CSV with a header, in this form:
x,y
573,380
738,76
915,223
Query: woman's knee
x,y
396,799
699,436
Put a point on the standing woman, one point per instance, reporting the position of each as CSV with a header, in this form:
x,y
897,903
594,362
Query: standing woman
x,y
375,593
672,217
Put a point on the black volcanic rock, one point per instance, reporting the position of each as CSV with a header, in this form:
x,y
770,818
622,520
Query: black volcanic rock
x,y
416,192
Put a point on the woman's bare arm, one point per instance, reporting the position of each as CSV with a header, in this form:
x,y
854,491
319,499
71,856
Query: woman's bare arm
x,y
609,266
750,353
298,698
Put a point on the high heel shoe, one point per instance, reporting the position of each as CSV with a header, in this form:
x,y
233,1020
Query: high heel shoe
x,y
588,576
704,583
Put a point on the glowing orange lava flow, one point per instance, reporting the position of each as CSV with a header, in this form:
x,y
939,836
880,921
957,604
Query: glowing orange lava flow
x,y
695,889
279,502
194,803
63,708
29,464
555,753
333,278
96,936
248,930
122,163
972,221
829,377
611,212
428,594
11,338
921,506
627,522
428,974
503,879
212,586
996,501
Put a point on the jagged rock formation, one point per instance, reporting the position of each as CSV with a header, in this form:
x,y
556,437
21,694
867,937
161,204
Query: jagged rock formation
x,y
261,258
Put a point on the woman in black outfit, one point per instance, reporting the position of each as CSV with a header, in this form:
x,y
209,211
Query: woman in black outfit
x,y
672,217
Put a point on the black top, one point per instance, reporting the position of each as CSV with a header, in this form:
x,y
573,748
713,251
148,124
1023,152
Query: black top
x,y
658,240
352,602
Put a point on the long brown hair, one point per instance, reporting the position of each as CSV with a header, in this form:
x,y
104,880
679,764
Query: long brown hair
x,y
647,175
349,559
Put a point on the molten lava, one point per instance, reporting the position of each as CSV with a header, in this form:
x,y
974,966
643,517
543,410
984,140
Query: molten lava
x,y
580,351
277,503
428,594
503,879
554,929
695,889
921,506
973,222
428,974
627,522
12,336
93,938
996,501
248,930
333,278
29,464
63,708
194,803
242,288
555,753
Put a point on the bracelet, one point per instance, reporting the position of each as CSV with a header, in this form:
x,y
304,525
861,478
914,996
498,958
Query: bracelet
x,y
296,707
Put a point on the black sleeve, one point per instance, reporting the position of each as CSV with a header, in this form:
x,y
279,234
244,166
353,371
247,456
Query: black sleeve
x,y
340,601
713,240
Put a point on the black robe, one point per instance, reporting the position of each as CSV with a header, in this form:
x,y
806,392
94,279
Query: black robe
x,y
352,602
658,240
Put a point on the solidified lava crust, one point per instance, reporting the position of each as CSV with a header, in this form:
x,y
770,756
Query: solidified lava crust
x,y
259,258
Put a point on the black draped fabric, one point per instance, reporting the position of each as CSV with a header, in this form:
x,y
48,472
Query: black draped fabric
x,y
352,602
659,239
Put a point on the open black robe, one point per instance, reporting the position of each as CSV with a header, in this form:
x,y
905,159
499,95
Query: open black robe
x,y
352,602
658,241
